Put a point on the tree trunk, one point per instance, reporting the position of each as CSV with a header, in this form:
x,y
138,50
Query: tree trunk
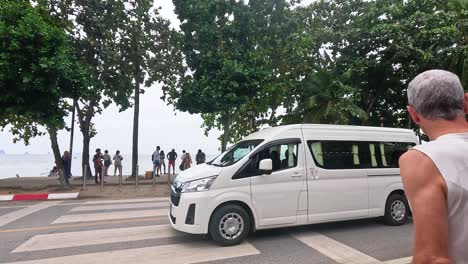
x,y
72,131
85,124
226,130
57,156
138,78
85,155
136,114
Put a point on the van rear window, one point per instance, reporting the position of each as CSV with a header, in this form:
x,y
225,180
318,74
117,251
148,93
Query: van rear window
x,y
334,155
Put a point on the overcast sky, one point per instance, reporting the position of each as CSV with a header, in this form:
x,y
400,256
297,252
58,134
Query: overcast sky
x,y
159,124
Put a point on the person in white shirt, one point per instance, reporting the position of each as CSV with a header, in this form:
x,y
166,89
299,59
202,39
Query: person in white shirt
x,y
118,163
435,174
156,161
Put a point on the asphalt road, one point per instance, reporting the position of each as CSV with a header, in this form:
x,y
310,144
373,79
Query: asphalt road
x,y
137,231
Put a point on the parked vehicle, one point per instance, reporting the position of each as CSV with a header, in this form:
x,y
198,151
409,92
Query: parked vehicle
x,y
294,175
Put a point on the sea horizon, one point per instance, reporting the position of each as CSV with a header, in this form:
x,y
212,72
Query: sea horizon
x,y
39,165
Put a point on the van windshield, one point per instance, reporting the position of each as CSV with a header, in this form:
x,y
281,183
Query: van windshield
x,y
235,153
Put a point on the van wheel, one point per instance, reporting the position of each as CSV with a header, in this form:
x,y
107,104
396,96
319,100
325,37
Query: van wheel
x,y
396,210
229,225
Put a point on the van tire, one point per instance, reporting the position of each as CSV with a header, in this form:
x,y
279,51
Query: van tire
x,y
396,210
229,215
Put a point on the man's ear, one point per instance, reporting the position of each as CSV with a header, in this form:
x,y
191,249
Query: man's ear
x,y
415,115
466,103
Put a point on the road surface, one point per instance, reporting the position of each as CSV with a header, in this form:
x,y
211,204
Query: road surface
x,y
138,231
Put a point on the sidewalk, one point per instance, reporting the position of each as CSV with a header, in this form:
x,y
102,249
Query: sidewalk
x,y
129,189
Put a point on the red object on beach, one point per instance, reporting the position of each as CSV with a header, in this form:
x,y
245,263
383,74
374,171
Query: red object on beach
x,y
29,197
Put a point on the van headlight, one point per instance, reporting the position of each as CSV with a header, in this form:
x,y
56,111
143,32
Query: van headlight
x,y
198,185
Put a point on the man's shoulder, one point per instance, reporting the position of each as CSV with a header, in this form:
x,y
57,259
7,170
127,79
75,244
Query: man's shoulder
x,y
413,156
414,159
418,167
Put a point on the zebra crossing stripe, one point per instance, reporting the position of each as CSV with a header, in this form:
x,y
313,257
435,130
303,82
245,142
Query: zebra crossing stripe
x,y
96,237
15,215
335,250
119,206
141,200
168,254
109,216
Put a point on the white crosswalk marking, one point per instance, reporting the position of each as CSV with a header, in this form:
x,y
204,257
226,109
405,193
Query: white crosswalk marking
x,y
13,216
119,206
96,237
128,201
168,254
109,216
66,243
335,250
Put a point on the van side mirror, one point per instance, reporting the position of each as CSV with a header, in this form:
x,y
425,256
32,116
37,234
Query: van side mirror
x,y
265,166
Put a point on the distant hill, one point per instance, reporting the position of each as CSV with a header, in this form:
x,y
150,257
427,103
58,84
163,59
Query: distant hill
x,y
2,152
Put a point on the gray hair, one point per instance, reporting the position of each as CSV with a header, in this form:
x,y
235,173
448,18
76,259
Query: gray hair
x,y
437,94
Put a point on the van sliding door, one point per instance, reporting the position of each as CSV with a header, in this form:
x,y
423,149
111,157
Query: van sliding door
x,y
338,186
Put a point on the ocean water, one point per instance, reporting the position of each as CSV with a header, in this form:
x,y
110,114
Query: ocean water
x,y
36,165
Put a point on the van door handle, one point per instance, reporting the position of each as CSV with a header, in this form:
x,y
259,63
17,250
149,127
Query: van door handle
x,y
296,175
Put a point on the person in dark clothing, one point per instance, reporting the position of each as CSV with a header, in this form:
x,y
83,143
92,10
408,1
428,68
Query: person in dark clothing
x,y
200,157
97,160
66,159
171,157
275,158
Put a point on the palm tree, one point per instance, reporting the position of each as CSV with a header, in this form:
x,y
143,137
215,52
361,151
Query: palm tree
x,y
332,101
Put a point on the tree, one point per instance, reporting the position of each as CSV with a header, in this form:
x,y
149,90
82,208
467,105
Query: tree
x,y
126,44
332,101
38,71
234,67
151,50
96,28
383,45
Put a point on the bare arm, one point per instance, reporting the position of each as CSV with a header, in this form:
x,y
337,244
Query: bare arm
x,y
427,193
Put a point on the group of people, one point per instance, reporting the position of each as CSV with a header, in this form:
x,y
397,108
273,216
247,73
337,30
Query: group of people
x,y
103,162
159,160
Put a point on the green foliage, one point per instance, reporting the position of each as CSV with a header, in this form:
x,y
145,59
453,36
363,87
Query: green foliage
x,y
38,70
332,101
234,56
333,61
383,45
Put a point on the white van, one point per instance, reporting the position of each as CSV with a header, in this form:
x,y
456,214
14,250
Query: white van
x,y
294,175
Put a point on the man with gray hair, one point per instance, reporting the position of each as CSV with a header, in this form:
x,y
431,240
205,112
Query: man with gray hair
x,y
435,175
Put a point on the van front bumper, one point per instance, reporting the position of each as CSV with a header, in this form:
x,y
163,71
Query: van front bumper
x,y
189,212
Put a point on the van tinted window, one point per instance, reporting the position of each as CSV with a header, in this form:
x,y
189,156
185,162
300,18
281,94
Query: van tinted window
x,y
283,156
334,155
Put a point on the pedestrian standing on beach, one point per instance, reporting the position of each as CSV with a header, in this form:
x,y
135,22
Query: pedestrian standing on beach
x,y
435,175
182,162
156,157
200,157
162,162
66,159
97,160
107,162
118,162
171,156
187,161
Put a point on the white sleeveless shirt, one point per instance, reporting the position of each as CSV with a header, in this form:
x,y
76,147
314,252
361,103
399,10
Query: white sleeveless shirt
x,y
450,155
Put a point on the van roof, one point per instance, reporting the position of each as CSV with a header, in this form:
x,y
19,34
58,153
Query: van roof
x,y
270,132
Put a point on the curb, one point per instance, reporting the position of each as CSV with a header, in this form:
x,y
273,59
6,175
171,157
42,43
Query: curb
x,y
38,196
